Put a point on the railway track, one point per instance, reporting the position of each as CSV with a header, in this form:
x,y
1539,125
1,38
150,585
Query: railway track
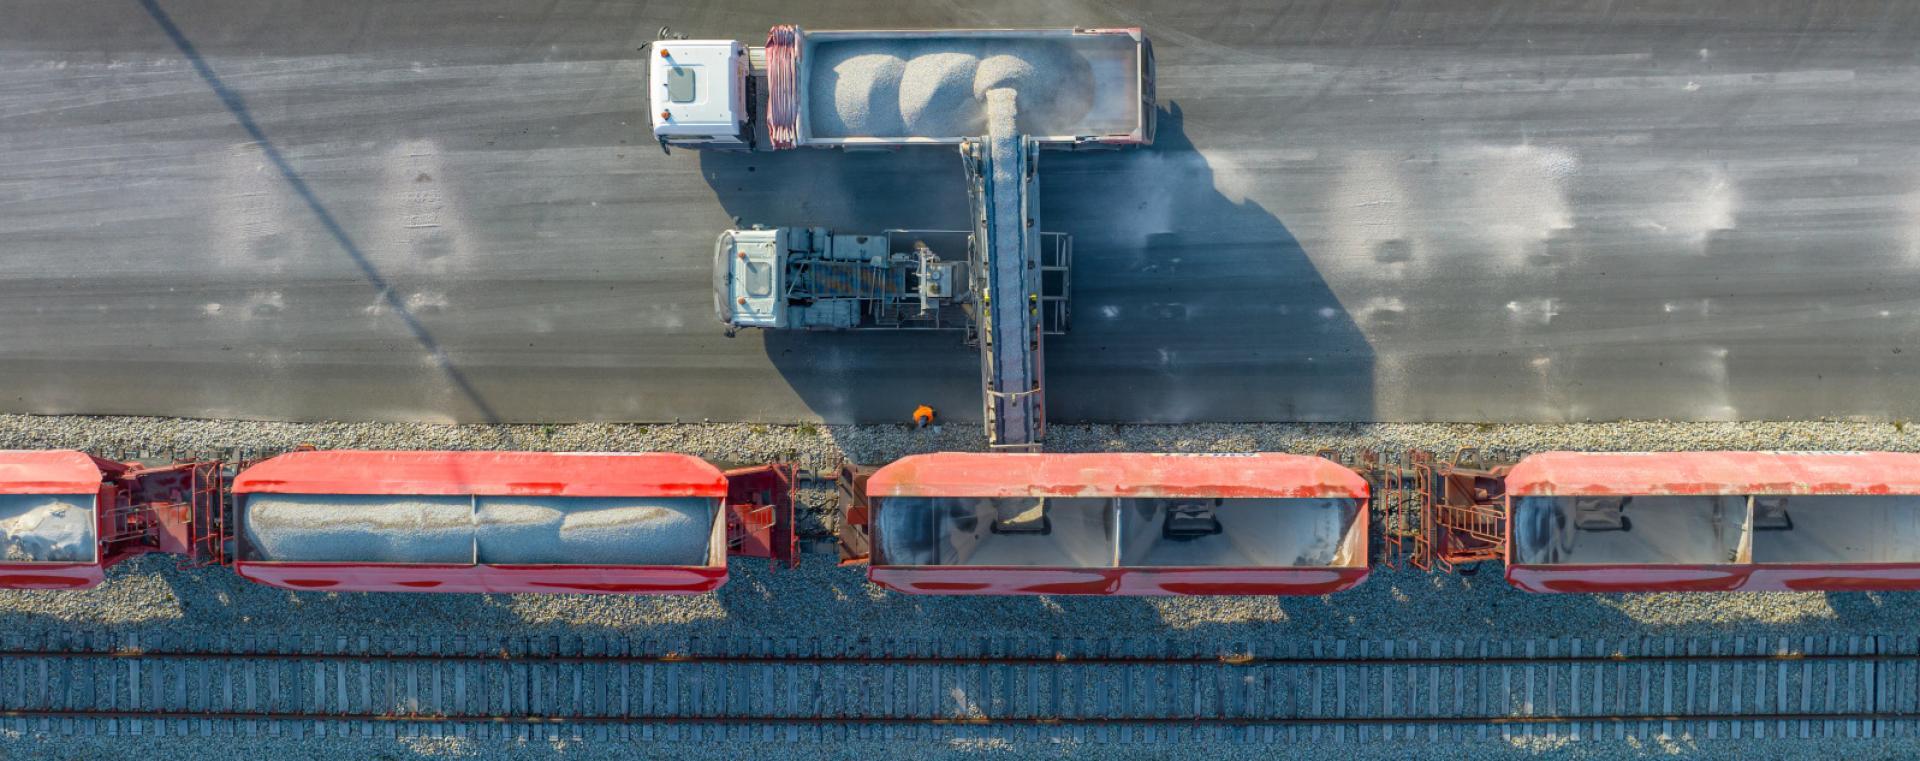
x,y
1120,691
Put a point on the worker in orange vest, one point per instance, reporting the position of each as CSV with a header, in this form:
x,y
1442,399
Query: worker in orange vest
x,y
922,416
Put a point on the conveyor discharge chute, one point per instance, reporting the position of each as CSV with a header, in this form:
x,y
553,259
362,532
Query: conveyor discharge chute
x,y
1116,524
483,522
1711,521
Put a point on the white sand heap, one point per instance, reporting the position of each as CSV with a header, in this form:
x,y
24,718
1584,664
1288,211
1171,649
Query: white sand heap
x,y
937,88
46,528
614,531
503,530
359,528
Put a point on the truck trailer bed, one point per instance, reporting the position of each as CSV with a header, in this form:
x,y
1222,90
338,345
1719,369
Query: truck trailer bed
x,y
881,88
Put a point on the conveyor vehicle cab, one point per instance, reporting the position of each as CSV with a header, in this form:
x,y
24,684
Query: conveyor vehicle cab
x,y
1117,524
65,516
482,522
1713,521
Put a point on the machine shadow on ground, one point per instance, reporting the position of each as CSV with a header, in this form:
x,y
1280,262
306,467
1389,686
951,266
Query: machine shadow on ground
x,y
1188,305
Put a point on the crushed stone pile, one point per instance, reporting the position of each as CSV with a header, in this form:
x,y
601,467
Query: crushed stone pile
x,y
938,88
612,531
46,528
503,530
363,528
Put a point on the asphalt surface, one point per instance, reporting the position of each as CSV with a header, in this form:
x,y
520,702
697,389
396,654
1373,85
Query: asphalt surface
x,y
1361,210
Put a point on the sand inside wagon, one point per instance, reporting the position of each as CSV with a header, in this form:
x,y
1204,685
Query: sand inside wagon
x,y
47,528
487,530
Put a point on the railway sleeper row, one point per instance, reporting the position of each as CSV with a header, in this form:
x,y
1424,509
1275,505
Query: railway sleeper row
x,y
1121,690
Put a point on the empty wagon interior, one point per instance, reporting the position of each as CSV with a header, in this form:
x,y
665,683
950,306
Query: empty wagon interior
x,y
48,528
1836,529
1655,530
1108,532
1696,530
487,530
932,86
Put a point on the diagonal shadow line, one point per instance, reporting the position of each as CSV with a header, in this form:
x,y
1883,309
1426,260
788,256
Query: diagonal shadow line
x,y
238,107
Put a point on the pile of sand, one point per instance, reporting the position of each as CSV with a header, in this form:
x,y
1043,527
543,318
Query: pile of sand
x,y
503,530
47,528
937,88
610,531
359,528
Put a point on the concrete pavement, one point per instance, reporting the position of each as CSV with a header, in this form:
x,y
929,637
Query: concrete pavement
x,y
1356,211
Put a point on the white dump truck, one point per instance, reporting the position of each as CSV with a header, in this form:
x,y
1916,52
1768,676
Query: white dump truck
x,y
885,88
999,95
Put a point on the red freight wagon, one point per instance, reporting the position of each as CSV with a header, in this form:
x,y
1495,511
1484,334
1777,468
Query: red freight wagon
x,y
66,516
1112,524
496,522
1709,521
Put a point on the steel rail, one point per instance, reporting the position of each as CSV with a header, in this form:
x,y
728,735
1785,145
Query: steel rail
x,y
1226,659
779,719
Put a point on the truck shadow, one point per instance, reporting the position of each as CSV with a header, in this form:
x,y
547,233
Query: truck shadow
x,y
1188,305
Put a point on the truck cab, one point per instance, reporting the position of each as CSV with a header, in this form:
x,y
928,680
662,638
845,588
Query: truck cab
x,y
699,90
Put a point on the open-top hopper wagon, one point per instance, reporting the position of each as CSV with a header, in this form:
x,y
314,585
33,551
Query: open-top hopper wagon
x,y
1669,521
483,522
66,516
356,521
1110,524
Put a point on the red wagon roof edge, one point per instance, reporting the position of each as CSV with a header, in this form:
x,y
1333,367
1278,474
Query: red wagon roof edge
x,y
62,471
1576,474
1262,475
561,474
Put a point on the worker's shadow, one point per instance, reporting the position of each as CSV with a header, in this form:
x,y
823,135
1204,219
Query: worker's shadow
x,y
1187,304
